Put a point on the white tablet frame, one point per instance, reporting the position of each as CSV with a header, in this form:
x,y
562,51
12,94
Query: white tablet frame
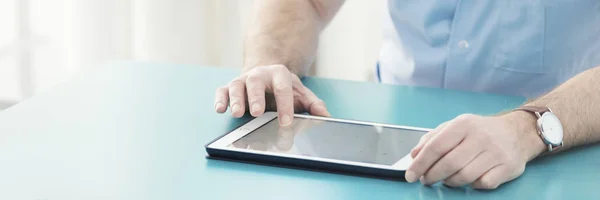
x,y
224,142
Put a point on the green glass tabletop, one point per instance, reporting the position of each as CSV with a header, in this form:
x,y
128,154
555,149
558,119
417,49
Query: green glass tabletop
x,y
137,131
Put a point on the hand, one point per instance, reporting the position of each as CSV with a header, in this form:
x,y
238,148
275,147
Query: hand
x,y
482,151
271,87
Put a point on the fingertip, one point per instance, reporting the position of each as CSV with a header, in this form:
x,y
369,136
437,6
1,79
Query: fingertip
x,y
410,176
415,175
413,153
256,110
322,114
320,110
256,114
327,114
236,111
447,184
423,181
451,184
285,120
220,107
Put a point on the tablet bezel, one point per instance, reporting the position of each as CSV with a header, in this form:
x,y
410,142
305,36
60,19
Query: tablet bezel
x,y
229,138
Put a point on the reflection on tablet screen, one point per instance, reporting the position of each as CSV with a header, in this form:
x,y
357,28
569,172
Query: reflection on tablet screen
x,y
333,140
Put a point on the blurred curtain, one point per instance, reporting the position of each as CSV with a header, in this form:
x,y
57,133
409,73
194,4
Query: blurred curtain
x,y
43,42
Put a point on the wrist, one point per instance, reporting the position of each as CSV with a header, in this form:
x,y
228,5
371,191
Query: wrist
x,y
524,125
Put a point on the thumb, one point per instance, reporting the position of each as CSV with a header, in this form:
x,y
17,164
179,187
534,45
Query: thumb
x,y
314,105
318,108
308,101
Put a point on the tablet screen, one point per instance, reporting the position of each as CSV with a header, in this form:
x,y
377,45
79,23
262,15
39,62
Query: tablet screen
x,y
333,140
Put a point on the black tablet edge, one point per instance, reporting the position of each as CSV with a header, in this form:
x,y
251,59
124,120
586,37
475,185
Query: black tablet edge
x,y
302,164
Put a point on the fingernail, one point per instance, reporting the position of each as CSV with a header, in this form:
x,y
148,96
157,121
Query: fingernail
x,y
285,120
255,108
422,179
218,105
410,176
235,108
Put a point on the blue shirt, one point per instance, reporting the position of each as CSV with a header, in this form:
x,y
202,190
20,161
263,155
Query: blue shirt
x,y
516,47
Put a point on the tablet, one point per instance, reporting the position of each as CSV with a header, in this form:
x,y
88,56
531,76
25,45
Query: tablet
x,y
324,144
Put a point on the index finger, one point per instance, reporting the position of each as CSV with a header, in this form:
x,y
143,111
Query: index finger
x,y
309,101
284,96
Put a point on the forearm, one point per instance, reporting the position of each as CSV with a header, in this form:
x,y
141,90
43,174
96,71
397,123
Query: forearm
x,y
577,104
287,32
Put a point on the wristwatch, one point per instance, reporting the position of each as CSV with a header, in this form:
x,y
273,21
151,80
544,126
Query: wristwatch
x,y
548,126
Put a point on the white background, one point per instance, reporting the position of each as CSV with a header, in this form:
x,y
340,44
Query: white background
x,y
44,42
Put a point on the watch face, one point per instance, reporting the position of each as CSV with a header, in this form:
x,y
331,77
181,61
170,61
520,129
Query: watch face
x,y
552,130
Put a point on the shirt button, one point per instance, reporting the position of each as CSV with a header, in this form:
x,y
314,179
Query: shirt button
x,y
463,44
